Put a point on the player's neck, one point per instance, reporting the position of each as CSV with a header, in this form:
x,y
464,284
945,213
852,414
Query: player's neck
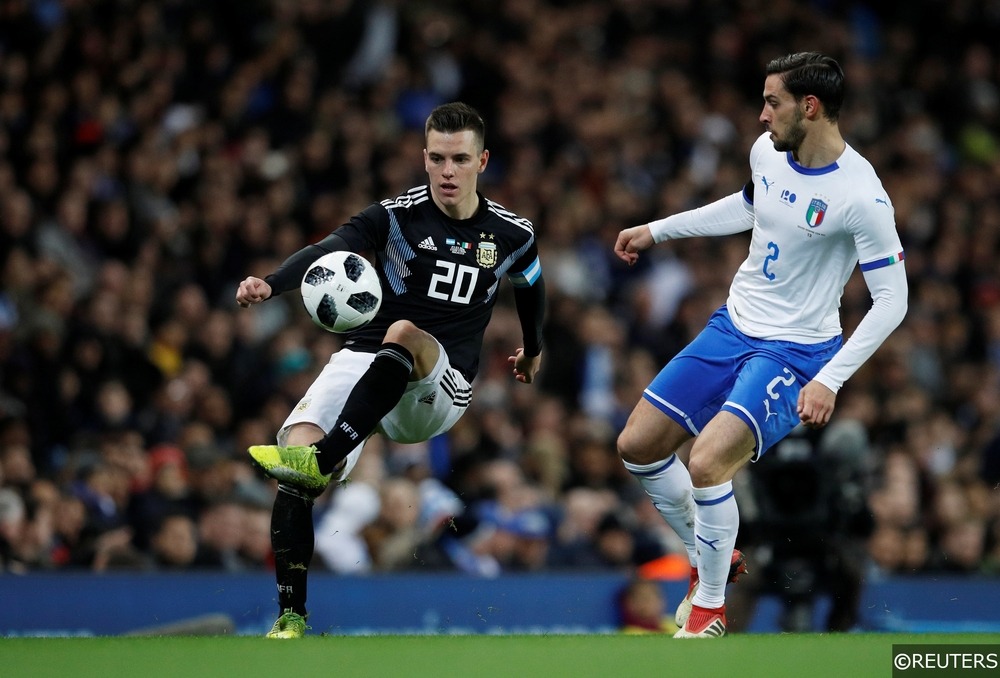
x,y
461,211
820,148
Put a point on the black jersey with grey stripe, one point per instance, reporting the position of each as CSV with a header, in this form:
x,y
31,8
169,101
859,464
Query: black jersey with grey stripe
x,y
440,273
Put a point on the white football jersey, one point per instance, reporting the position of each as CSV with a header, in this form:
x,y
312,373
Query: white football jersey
x,y
811,228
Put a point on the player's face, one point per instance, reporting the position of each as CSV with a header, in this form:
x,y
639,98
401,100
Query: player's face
x,y
782,116
453,161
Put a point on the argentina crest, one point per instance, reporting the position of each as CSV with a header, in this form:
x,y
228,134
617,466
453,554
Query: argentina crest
x,y
486,254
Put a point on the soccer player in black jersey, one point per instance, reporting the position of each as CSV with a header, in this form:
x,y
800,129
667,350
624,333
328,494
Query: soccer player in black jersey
x,y
440,251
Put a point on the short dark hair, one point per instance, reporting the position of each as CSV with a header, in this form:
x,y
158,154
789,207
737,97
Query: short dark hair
x,y
812,73
456,117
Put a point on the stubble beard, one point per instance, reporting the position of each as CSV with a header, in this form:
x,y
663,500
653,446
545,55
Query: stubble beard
x,y
793,139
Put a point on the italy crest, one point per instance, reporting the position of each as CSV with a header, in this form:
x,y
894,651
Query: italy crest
x,y
816,212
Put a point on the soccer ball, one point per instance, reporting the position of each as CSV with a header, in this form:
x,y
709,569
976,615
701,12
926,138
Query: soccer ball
x,y
341,291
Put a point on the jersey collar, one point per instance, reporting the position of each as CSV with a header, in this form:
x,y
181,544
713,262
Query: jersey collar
x,y
812,171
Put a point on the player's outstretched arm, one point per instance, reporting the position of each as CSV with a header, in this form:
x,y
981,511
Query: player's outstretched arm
x,y
252,291
631,241
525,366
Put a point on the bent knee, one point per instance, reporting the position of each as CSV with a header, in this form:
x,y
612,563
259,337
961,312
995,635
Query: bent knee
x,y
709,469
703,472
633,450
421,345
403,332
641,444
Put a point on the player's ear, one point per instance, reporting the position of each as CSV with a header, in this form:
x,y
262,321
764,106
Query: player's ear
x,y
811,106
484,158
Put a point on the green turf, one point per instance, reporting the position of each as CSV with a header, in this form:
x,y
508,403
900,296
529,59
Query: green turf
x,y
613,656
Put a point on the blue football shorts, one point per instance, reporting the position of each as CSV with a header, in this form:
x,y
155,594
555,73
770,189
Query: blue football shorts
x,y
758,380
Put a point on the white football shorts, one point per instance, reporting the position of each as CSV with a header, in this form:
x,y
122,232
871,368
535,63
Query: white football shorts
x,y
428,407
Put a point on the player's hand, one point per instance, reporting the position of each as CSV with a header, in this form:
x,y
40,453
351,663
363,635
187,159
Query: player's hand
x,y
631,241
816,403
525,367
252,291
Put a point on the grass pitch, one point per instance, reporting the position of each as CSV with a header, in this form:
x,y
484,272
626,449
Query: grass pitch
x,y
479,656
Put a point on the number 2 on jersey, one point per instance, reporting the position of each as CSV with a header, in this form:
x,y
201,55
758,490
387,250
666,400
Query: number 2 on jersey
x,y
460,279
773,256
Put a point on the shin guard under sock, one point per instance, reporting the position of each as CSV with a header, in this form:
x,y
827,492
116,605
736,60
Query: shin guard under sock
x,y
375,394
717,521
668,485
292,541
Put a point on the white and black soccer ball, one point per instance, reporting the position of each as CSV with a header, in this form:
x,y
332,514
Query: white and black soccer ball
x,y
341,291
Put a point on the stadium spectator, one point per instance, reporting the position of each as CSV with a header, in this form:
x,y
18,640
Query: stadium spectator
x,y
531,530
68,546
961,547
621,546
169,492
340,542
642,607
392,537
886,549
113,550
13,525
255,545
174,544
220,534
465,543
574,543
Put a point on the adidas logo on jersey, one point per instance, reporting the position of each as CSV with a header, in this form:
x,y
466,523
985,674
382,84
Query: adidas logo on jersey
x,y
427,244
429,398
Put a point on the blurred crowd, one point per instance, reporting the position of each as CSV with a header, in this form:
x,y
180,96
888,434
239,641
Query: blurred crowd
x,y
155,153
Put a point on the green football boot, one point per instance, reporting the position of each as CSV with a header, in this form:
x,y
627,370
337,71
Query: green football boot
x,y
295,466
288,625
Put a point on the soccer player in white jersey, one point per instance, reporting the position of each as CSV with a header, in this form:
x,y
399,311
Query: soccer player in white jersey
x,y
772,357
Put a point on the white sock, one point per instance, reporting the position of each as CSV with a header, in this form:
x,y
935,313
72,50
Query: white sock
x,y
717,520
668,484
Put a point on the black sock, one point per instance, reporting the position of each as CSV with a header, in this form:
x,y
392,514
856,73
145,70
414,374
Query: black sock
x,y
293,541
375,394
